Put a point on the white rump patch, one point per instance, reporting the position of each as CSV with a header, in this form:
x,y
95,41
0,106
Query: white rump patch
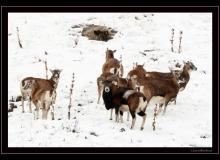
x,y
27,84
26,92
128,93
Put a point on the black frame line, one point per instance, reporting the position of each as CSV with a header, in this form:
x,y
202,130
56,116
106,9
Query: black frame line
x,y
106,150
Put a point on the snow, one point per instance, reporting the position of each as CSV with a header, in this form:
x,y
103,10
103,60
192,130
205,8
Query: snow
x,y
186,124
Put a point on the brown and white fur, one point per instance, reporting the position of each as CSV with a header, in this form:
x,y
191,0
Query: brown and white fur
x,y
139,71
162,87
182,77
121,97
100,80
112,65
162,91
121,82
26,89
185,75
43,92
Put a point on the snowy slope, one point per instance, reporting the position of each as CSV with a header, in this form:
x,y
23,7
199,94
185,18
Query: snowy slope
x,y
187,124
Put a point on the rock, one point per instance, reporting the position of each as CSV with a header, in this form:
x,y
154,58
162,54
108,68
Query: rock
x,y
178,65
154,59
77,26
122,130
11,107
99,33
18,98
90,101
94,134
136,18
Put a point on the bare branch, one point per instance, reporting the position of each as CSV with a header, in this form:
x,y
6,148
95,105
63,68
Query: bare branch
x,y
19,40
154,120
71,92
172,39
180,41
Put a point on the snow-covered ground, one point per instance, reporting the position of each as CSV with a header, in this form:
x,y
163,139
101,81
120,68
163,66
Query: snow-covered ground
x,y
186,124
